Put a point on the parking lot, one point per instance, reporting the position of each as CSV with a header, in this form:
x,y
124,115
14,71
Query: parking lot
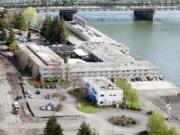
x,y
152,85
44,102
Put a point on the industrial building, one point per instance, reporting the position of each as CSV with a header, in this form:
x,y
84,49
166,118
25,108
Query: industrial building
x,y
106,57
42,61
110,70
95,55
102,91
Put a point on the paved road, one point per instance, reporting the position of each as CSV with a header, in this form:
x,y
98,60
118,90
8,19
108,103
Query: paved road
x,y
6,116
99,121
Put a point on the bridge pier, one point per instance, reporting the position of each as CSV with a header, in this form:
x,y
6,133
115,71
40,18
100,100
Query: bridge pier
x,y
144,14
67,14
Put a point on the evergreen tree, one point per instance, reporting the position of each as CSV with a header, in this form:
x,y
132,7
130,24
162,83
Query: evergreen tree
x,y
13,46
11,37
46,27
29,35
20,21
54,31
63,32
3,34
84,129
2,24
52,127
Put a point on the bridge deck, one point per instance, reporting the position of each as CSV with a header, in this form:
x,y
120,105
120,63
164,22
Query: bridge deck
x,y
93,4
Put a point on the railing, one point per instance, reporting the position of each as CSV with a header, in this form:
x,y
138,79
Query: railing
x,y
89,3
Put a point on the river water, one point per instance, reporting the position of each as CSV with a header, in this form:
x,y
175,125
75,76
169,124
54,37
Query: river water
x,y
157,41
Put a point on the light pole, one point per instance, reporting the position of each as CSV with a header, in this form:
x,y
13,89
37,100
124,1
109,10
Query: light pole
x,y
168,111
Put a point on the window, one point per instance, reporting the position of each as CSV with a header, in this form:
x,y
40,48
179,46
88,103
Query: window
x,y
87,84
101,102
94,91
102,95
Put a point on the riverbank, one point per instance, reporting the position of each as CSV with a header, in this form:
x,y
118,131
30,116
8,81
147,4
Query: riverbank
x,y
155,41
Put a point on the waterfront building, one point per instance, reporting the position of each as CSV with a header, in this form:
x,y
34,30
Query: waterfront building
x,y
106,57
96,56
109,70
102,91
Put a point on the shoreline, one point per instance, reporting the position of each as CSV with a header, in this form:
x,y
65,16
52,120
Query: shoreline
x,y
105,39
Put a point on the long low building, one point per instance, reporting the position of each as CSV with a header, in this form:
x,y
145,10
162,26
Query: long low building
x,y
45,63
102,91
110,70
42,61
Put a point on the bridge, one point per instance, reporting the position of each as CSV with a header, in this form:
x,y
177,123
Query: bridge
x,y
143,9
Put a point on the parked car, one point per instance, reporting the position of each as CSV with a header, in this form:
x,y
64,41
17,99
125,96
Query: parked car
x,y
43,108
48,96
30,96
48,107
18,98
28,92
161,77
38,92
149,78
15,108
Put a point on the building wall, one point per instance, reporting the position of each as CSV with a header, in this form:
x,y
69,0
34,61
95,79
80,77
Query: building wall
x,y
44,71
103,97
127,74
51,72
78,32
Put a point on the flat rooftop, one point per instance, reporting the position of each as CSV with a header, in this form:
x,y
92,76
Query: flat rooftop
x,y
73,61
102,83
101,46
115,56
110,66
41,55
107,52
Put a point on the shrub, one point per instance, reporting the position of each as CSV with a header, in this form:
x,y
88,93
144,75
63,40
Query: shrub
x,y
123,121
150,112
143,133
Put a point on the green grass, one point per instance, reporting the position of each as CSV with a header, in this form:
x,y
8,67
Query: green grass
x,y
64,84
84,106
31,82
87,108
79,96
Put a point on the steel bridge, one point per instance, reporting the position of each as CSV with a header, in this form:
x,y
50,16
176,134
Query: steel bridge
x,y
143,9
93,4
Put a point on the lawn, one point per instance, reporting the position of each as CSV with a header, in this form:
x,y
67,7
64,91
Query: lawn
x,y
79,96
87,108
84,105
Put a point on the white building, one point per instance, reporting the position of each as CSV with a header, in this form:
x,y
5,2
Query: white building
x,y
102,91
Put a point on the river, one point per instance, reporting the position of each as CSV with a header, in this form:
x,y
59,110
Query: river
x,y
157,41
